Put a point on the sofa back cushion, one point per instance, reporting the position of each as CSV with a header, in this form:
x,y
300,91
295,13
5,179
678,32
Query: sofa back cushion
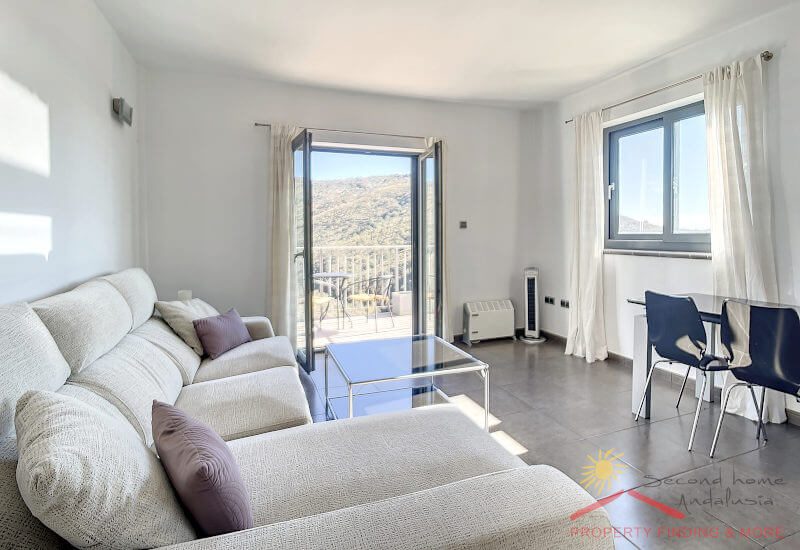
x,y
158,333
137,289
89,477
131,376
86,322
29,360
92,399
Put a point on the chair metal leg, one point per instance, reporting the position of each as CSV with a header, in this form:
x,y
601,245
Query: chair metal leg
x,y
697,412
721,417
761,415
759,411
644,394
683,387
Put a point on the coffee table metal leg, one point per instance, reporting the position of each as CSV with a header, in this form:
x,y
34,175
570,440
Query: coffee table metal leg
x,y
486,398
326,383
350,400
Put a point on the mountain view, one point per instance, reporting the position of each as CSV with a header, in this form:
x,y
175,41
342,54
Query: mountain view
x,y
362,211
628,225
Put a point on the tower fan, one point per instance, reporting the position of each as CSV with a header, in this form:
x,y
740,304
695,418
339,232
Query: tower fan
x,y
532,335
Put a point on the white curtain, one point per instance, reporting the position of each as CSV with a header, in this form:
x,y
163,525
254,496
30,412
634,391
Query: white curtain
x,y
587,332
283,293
740,206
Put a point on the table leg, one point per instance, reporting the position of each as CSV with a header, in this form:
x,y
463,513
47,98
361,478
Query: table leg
x,y
350,400
326,382
642,359
708,393
486,398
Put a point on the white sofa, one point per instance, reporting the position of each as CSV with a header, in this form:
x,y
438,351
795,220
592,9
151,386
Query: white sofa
x,y
422,478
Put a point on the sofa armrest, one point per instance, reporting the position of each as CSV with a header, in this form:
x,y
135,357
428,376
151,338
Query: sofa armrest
x,y
258,327
522,508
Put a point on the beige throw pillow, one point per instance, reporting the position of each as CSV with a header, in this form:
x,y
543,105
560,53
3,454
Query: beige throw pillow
x,y
179,316
89,477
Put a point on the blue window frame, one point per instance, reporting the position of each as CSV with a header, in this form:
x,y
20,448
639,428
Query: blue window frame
x,y
656,182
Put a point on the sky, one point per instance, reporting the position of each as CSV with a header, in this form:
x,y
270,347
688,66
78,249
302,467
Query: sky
x,y
640,188
332,166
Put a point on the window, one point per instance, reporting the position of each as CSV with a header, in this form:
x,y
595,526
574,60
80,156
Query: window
x,y
657,182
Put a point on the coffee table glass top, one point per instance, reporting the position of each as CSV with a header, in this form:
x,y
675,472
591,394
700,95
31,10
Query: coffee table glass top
x,y
399,358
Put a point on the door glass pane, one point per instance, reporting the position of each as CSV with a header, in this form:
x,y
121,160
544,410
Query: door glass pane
x,y
639,184
690,188
429,243
299,264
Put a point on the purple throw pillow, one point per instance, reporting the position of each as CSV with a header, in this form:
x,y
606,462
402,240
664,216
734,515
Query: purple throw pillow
x,y
202,471
221,333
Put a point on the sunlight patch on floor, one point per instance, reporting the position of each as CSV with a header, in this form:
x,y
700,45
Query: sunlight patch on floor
x,y
473,410
509,443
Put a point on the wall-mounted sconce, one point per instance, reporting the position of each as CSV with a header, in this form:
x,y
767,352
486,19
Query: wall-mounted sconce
x,y
123,110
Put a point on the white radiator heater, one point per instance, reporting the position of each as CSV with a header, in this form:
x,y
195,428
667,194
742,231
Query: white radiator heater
x,y
531,281
487,320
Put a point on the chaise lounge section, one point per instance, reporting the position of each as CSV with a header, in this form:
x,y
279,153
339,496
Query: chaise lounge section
x,y
81,371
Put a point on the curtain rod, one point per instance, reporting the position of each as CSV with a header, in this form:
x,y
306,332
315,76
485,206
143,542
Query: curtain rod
x,y
766,55
268,125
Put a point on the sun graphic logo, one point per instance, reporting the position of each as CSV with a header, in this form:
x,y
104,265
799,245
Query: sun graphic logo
x,y
602,471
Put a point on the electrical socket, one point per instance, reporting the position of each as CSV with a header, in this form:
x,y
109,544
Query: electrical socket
x,y
565,303
549,300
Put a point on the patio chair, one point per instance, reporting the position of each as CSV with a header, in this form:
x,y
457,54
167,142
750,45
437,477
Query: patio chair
x,y
321,300
372,294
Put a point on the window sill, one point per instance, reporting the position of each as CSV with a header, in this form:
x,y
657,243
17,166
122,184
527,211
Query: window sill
x,y
658,253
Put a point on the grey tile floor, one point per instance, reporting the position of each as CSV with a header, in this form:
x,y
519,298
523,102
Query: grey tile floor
x,y
560,411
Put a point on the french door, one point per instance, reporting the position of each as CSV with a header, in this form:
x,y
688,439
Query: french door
x,y
427,243
303,256
425,280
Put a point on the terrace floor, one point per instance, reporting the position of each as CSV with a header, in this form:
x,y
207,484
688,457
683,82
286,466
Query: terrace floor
x,y
335,330
549,408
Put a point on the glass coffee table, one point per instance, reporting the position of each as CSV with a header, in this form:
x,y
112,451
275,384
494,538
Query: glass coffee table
x,y
396,373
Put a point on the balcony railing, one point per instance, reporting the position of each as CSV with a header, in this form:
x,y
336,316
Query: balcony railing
x,y
366,262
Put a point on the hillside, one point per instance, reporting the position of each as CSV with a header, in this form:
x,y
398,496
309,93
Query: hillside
x,y
362,211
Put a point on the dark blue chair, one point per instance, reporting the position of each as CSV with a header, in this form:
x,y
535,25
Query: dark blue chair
x,y
762,346
676,331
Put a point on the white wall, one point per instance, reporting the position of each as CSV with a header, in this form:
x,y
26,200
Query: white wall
x,y
552,177
205,167
67,169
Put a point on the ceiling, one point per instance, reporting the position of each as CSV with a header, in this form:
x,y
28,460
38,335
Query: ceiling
x,y
515,52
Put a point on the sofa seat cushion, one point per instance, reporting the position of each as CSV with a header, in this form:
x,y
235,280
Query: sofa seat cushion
x,y
86,322
131,376
137,289
523,508
89,478
350,462
157,332
248,404
250,357
29,359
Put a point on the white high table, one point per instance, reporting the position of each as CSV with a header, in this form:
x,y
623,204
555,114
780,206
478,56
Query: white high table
x,y
710,308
